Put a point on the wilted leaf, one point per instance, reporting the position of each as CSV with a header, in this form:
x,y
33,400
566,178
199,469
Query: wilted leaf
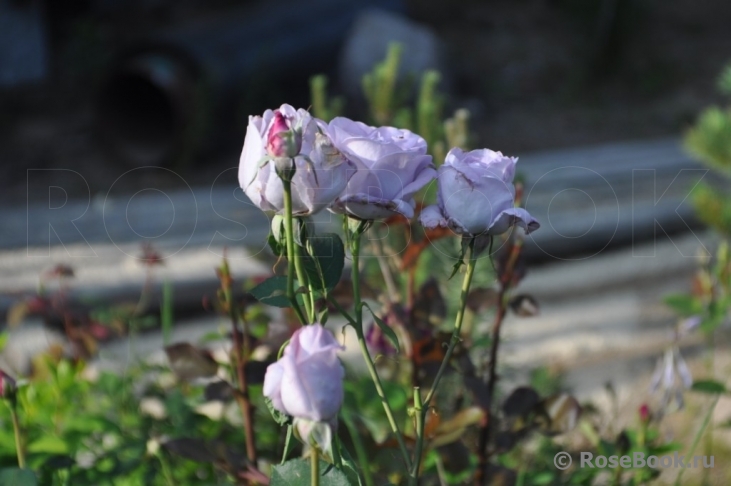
x,y
524,305
429,306
558,414
520,402
429,350
478,389
452,429
500,476
413,250
220,391
481,299
189,362
17,313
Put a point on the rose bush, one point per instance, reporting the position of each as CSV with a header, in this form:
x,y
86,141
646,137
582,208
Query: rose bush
x,y
476,195
391,165
321,171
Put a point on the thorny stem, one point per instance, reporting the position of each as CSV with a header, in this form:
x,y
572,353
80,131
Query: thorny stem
x,y
505,281
355,250
241,353
291,255
471,263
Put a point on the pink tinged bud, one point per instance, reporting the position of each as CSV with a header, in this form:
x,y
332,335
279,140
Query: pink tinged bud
x,y
283,140
644,413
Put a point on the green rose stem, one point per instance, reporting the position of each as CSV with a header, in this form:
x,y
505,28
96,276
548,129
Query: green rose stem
x,y
358,325
420,408
309,299
314,467
289,234
13,404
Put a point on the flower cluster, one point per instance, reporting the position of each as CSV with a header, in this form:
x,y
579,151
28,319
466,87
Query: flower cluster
x,y
371,173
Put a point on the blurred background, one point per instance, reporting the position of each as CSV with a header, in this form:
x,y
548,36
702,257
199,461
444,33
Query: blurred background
x,y
102,86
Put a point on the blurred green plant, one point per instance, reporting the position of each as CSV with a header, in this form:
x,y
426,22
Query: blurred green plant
x,y
389,101
710,140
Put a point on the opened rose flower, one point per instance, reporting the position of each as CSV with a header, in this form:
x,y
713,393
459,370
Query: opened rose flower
x,y
391,166
273,141
476,195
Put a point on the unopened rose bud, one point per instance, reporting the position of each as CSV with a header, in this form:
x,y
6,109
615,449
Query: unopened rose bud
x,y
644,413
283,140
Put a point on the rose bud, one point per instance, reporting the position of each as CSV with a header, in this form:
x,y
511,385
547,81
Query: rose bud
x,y
476,195
320,174
391,166
307,383
283,139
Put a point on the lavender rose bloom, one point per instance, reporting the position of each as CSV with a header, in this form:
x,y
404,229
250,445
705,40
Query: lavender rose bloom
x,y
307,383
476,195
321,173
391,166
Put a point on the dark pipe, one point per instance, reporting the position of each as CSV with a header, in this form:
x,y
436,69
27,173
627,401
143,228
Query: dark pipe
x,y
157,99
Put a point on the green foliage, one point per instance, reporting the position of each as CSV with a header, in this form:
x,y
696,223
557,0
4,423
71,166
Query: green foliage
x,y
297,473
709,386
326,260
90,431
17,477
379,86
324,107
273,291
710,138
388,98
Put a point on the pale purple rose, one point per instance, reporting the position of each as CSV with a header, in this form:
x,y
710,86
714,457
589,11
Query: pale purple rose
x,y
391,166
321,171
476,195
307,382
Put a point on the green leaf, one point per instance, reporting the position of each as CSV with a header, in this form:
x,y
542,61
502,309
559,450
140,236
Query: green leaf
x,y
17,477
297,473
273,291
49,444
350,468
325,266
277,249
709,386
390,334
